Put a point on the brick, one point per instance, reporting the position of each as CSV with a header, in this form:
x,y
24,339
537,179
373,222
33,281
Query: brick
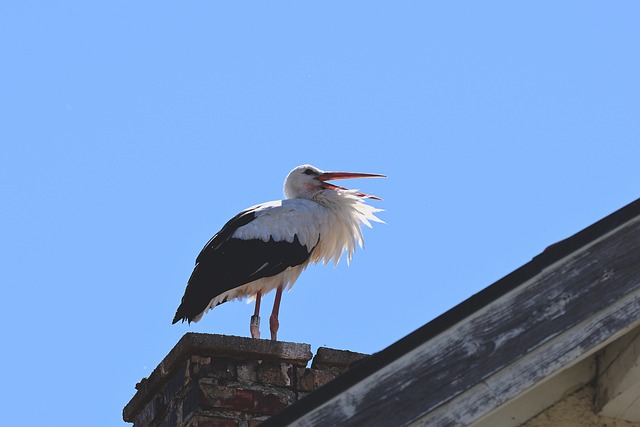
x,y
206,421
257,421
192,400
312,379
170,420
277,374
254,401
222,369
242,400
201,360
247,372
338,361
175,384
149,413
269,404
210,395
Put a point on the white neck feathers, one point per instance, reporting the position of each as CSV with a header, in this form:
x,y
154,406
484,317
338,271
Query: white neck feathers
x,y
350,212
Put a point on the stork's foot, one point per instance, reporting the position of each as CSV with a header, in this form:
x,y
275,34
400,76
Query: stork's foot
x,y
255,326
274,325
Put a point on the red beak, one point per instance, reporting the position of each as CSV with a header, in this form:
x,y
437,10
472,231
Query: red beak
x,y
328,176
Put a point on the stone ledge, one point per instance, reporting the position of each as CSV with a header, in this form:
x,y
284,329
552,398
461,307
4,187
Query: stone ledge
x,y
338,361
213,345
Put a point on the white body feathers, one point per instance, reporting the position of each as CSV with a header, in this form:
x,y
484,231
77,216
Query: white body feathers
x,y
327,230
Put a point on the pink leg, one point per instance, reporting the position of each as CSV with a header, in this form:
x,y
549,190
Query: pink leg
x,y
255,319
273,320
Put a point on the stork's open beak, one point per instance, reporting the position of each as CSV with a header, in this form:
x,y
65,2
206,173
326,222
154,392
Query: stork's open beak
x,y
328,176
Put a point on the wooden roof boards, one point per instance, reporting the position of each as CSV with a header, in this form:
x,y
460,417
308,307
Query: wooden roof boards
x,y
541,322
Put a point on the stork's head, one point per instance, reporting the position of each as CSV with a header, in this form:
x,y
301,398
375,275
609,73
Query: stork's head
x,y
306,182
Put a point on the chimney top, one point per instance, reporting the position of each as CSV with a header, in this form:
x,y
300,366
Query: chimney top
x,y
233,380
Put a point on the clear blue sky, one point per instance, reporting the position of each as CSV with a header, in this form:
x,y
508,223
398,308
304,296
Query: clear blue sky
x,y
131,131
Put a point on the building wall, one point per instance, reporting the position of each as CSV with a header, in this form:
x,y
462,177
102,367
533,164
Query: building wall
x,y
575,410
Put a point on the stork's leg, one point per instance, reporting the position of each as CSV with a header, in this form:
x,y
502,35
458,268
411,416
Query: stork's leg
x,y
273,320
255,319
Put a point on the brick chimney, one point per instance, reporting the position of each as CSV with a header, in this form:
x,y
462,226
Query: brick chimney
x,y
225,381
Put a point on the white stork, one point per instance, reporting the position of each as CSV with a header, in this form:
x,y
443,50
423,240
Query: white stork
x,y
267,246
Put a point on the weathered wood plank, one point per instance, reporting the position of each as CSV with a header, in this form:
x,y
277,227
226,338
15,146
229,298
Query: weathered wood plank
x,y
564,312
549,359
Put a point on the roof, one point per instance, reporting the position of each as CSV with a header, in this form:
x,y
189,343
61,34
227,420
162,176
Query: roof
x,y
547,320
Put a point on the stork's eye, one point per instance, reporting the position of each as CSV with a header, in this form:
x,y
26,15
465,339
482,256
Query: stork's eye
x,y
308,172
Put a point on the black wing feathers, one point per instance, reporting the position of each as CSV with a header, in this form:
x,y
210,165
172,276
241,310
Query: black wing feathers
x,y
243,218
226,263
